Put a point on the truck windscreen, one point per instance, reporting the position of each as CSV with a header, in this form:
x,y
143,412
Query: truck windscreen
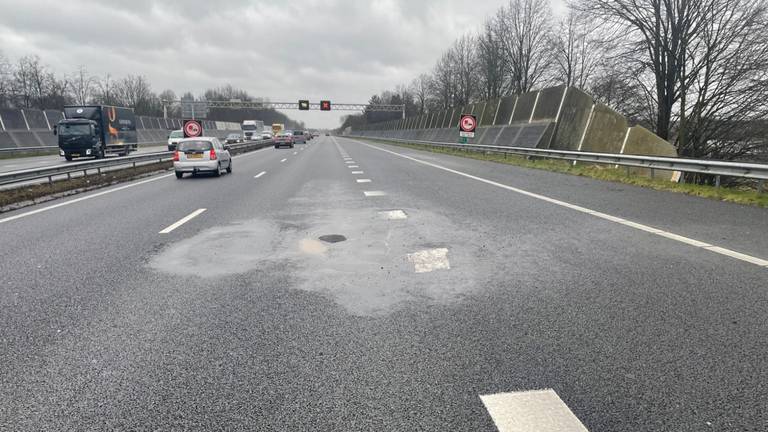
x,y
74,130
249,127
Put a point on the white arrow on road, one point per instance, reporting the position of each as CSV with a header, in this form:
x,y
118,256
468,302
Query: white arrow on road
x,y
531,411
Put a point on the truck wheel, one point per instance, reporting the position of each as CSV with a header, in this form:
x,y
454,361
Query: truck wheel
x,y
68,158
179,174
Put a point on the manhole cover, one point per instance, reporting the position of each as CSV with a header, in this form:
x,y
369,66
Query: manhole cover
x,y
333,238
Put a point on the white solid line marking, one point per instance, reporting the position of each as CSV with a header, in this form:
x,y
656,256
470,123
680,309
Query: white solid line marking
x,y
427,261
358,172
76,200
182,221
649,229
529,411
363,180
260,174
283,160
374,193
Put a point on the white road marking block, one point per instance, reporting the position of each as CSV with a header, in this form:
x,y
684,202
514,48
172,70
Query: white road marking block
x,y
531,411
427,261
374,193
260,174
358,172
295,153
393,215
649,229
350,162
363,180
181,222
283,160
353,166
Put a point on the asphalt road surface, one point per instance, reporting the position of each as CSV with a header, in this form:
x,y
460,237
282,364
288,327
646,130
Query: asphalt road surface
x,y
23,163
459,287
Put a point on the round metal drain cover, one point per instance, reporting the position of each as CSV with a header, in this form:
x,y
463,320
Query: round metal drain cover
x,y
333,238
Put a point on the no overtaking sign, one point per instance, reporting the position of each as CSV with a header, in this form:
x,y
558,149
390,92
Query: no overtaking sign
x,y
192,129
467,126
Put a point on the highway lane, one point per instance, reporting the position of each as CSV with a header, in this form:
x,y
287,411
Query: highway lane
x,y
18,164
240,319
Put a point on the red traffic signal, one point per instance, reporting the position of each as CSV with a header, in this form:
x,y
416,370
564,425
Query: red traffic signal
x,y
325,105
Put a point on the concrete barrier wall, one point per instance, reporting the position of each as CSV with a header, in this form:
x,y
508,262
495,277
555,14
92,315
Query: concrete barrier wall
x,y
32,128
573,120
559,118
524,108
606,132
641,141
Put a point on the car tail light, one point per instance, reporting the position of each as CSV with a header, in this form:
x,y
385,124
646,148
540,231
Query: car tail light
x,y
176,156
213,154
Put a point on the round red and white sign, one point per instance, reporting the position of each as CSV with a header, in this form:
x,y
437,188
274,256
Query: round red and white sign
x,y
193,129
468,123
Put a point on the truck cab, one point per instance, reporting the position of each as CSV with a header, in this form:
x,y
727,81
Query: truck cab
x,y
77,137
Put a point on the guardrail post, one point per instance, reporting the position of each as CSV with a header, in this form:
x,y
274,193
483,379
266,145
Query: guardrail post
x,y
653,173
761,186
717,181
50,179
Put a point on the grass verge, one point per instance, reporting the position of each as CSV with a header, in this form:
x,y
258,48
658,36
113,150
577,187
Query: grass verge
x,y
30,153
740,195
12,199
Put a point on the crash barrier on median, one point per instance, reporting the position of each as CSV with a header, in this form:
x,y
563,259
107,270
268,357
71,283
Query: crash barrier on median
x,y
25,128
56,171
558,118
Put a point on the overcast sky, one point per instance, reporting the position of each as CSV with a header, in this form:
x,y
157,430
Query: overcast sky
x,y
343,50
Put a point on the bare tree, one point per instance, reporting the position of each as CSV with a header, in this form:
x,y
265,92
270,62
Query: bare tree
x,y
135,91
578,49
491,64
6,82
444,81
465,62
420,90
706,63
106,92
82,85
523,28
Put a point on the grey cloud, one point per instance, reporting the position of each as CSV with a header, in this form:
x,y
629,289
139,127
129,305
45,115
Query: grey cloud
x,y
346,50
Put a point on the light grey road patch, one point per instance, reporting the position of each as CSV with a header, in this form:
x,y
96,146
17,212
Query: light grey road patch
x,y
531,411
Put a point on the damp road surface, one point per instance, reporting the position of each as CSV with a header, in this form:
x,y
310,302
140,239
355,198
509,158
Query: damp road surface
x,y
350,286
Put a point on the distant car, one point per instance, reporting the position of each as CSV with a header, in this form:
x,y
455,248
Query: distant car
x,y
234,138
284,138
266,135
300,137
173,139
327,134
201,155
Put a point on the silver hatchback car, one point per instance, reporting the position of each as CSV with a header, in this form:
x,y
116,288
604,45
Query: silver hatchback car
x,y
201,155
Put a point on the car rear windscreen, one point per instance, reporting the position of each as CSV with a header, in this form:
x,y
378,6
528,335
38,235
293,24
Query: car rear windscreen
x,y
195,146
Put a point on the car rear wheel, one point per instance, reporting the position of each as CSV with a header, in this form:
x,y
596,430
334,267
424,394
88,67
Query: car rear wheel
x,y
218,170
68,158
229,167
179,174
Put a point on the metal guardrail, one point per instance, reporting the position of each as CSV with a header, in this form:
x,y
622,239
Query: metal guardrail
x,y
76,167
699,166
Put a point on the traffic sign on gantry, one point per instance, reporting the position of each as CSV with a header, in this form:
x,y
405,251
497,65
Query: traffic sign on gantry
x,y
325,105
303,105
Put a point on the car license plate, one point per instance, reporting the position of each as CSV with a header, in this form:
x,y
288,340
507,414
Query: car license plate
x,y
195,156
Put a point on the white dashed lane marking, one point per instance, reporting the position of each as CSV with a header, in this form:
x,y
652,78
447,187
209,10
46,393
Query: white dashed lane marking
x,y
529,411
353,166
182,221
260,174
283,160
363,180
358,172
393,215
427,261
649,229
374,193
